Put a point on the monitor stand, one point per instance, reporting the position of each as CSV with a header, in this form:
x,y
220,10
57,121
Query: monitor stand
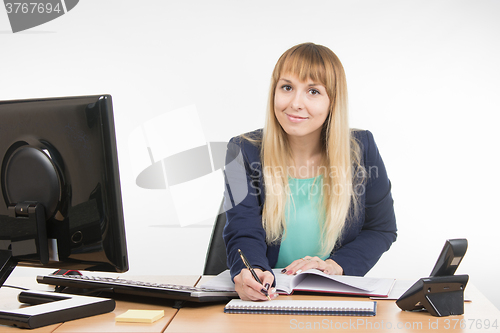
x,y
7,265
47,308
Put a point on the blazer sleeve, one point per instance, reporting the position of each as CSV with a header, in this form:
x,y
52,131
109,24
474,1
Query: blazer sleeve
x,y
379,230
243,199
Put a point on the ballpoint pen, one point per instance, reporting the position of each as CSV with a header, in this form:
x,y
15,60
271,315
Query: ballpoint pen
x,y
250,268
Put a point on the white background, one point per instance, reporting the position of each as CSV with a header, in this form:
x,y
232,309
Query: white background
x,y
423,76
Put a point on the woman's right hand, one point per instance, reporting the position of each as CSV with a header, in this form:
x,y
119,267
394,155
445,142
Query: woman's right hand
x,y
250,290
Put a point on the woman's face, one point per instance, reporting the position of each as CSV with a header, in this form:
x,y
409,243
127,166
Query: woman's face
x,y
301,107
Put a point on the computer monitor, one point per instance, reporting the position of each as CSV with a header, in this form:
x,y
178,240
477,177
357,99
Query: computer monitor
x,y
60,198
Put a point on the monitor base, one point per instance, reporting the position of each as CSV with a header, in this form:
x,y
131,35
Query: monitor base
x,y
47,308
52,308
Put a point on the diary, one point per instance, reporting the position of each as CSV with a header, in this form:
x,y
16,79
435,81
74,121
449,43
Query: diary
x,y
314,280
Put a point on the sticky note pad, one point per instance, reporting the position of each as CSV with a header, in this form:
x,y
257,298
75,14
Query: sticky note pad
x,y
140,316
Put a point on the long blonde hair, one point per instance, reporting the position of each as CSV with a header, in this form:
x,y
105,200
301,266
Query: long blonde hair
x,y
341,150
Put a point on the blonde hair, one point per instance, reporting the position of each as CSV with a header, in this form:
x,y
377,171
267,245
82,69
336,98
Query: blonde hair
x,y
341,150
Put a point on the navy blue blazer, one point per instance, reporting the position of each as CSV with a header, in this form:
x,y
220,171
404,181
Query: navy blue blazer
x,y
364,239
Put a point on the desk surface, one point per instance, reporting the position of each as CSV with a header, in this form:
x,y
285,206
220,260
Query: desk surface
x,y
389,318
211,318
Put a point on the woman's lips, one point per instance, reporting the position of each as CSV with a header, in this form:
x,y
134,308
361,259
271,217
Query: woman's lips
x,y
296,119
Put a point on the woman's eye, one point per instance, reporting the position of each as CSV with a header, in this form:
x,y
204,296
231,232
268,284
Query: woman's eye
x,y
314,92
286,87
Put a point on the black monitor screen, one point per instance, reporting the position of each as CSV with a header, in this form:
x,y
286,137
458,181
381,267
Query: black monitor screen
x,y
60,198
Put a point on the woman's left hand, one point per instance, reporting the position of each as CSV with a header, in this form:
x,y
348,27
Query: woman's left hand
x,y
327,266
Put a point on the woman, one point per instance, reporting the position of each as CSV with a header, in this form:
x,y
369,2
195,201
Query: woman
x,y
307,191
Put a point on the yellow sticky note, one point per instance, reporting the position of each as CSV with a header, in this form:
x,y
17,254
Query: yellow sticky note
x,y
140,316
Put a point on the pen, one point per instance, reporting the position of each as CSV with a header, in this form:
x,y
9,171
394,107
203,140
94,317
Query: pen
x,y
250,268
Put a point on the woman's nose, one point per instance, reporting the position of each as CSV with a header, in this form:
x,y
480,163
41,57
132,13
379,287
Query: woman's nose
x,y
297,101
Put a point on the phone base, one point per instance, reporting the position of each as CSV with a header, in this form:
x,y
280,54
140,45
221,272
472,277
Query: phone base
x,y
440,295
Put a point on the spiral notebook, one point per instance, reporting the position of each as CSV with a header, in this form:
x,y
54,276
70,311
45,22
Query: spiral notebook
x,y
306,307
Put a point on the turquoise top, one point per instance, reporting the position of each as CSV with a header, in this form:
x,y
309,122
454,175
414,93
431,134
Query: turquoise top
x,y
303,233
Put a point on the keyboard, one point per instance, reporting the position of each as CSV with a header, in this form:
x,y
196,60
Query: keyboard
x,y
147,289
